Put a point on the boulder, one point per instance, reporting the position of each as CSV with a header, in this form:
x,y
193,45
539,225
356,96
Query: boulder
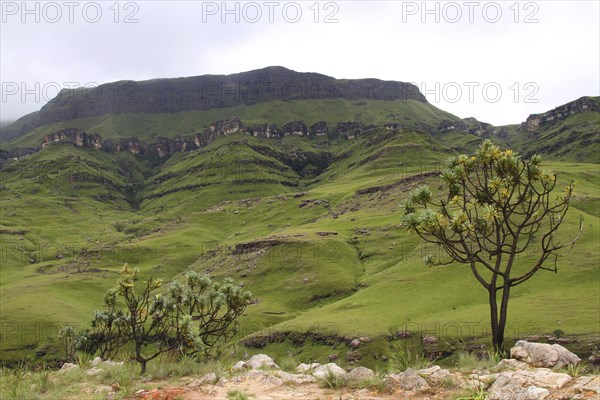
x,y
510,363
361,374
526,385
437,375
261,361
513,391
323,371
303,368
410,380
239,366
587,384
543,355
286,377
545,378
96,361
93,371
68,366
208,379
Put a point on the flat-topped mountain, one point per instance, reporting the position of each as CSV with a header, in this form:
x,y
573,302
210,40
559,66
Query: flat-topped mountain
x,y
207,92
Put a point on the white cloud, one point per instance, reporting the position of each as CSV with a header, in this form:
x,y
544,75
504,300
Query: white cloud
x,y
558,56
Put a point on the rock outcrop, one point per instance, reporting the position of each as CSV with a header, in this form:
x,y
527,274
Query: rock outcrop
x,y
537,121
543,355
207,92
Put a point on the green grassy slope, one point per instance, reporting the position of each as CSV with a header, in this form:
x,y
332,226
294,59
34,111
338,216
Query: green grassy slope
x,y
148,126
314,247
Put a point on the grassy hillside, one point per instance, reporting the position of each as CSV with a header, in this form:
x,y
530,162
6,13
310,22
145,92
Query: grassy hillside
x,y
310,227
148,126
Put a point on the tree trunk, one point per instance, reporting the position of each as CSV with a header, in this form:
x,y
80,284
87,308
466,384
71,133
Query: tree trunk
x,y
503,317
143,362
497,338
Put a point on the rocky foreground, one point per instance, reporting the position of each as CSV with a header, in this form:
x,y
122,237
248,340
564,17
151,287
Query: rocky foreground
x,y
532,373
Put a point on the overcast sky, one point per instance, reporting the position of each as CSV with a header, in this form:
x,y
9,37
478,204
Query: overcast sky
x,y
496,61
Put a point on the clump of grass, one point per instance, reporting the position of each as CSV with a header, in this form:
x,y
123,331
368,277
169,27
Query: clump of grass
x,y
576,370
332,381
238,395
467,361
288,363
42,381
14,383
403,357
475,394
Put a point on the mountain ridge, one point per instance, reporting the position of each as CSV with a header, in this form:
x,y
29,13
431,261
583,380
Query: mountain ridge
x,y
204,92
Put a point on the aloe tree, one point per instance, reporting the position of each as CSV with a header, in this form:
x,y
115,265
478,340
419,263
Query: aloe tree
x,y
499,217
189,318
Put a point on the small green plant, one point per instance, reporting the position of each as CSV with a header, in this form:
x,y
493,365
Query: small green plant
x,y
238,395
42,380
558,333
333,381
14,385
288,363
477,393
66,338
575,370
403,357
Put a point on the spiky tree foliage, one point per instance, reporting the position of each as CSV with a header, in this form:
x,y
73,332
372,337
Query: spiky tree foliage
x,y
109,327
215,306
156,323
499,217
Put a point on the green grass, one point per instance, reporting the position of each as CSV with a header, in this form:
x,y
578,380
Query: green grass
x,y
363,276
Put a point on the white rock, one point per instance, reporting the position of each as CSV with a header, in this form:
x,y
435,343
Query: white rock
x,y
239,366
304,368
96,361
93,371
324,371
208,379
68,366
361,374
510,363
545,378
294,378
543,355
588,384
536,393
261,361
410,380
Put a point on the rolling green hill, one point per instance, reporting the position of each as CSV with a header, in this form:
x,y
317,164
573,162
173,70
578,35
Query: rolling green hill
x,y
309,225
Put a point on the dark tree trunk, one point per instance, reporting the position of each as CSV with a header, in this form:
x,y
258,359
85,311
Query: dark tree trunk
x,y
497,336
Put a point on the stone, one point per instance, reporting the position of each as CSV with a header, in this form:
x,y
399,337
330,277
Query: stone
x,y
304,368
361,374
545,378
93,371
543,355
261,361
332,357
324,371
355,343
96,361
208,379
526,385
239,366
68,366
511,363
588,384
286,377
410,380
437,374
429,339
